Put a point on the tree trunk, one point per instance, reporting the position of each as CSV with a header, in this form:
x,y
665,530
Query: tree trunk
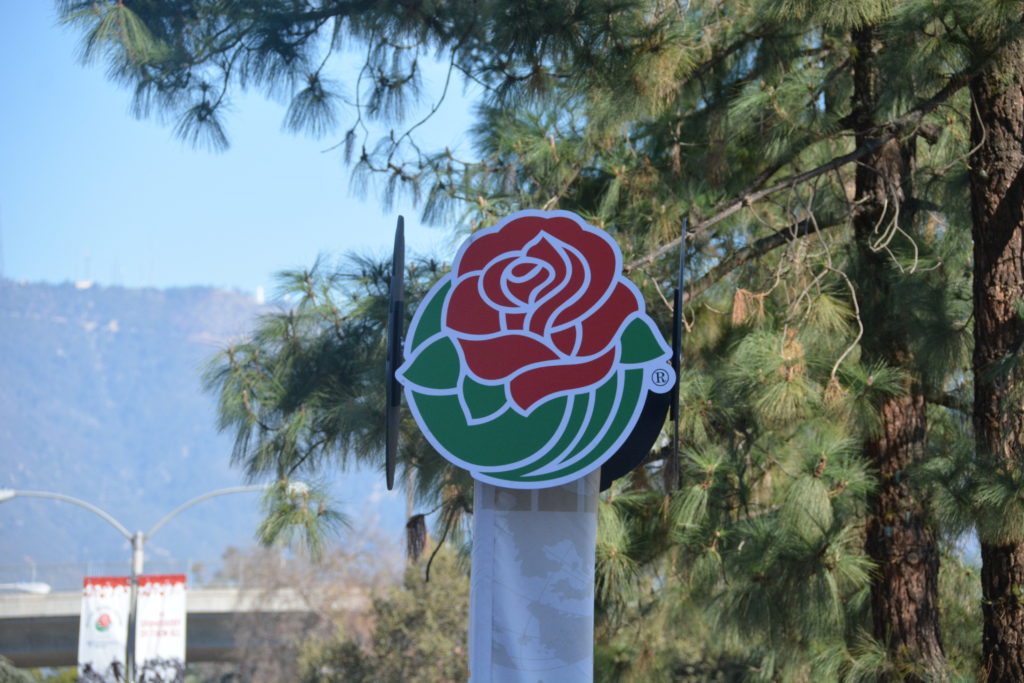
x,y
997,200
904,594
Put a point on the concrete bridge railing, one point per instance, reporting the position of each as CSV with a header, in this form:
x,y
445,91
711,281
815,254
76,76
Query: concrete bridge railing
x,y
42,630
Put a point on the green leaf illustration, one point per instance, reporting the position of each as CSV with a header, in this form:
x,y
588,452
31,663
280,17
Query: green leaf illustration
x,y
435,366
641,344
604,413
572,429
620,421
482,399
502,441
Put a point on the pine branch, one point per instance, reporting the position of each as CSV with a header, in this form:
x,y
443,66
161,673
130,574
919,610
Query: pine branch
x,y
888,131
746,37
751,252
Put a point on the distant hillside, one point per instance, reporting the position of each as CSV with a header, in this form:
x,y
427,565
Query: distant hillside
x,y
100,398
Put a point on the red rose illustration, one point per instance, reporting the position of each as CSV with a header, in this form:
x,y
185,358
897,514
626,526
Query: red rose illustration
x,y
539,304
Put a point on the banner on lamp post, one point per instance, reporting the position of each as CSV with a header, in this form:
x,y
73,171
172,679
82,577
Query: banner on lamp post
x,y
160,628
103,628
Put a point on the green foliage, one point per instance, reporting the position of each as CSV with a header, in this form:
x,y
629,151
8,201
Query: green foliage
x,y
960,590
11,674
418,633
305,387
833,14
112,31
63,675
315,108
289,512
303,395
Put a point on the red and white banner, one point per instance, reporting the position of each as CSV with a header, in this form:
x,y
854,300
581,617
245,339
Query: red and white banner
x,y
103,628
160,629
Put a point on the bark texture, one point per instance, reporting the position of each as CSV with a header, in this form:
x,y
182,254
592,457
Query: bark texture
x,y
904,594
997,206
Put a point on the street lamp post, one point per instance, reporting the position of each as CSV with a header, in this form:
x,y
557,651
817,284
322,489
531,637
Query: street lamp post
x,y
138,540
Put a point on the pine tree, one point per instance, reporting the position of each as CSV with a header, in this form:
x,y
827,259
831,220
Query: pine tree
x,y
905,595
304,396
900,540
997,198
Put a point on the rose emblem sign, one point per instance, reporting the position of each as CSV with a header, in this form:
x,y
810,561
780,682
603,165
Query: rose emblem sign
x,y
530,363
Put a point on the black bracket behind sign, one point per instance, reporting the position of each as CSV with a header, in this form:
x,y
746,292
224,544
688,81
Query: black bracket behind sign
x,y
396,319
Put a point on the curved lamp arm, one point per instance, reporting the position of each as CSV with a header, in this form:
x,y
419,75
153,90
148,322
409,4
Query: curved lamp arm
x,y
199,499
7,494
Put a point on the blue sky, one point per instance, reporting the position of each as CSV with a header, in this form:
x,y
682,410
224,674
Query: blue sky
x,y
89,192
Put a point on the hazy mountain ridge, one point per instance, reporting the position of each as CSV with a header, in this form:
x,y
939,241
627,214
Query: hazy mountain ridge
x,y
100,398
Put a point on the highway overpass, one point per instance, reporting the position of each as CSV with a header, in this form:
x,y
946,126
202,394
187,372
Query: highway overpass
x,y
42,630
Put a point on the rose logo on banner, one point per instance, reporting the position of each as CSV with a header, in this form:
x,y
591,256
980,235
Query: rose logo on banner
x,y
103,622
529,364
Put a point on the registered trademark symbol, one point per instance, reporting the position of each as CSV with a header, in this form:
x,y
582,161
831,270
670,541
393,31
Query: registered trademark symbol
x,y
661,377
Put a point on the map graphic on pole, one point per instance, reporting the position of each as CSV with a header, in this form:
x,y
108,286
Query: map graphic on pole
x,y
531,362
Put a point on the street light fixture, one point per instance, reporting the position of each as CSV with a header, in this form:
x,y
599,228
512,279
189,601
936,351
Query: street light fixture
x,y
138,539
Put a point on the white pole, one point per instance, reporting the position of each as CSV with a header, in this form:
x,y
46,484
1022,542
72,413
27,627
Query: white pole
x,y
138,542
531,605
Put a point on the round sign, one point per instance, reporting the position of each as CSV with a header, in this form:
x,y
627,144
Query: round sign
x,y
530,363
